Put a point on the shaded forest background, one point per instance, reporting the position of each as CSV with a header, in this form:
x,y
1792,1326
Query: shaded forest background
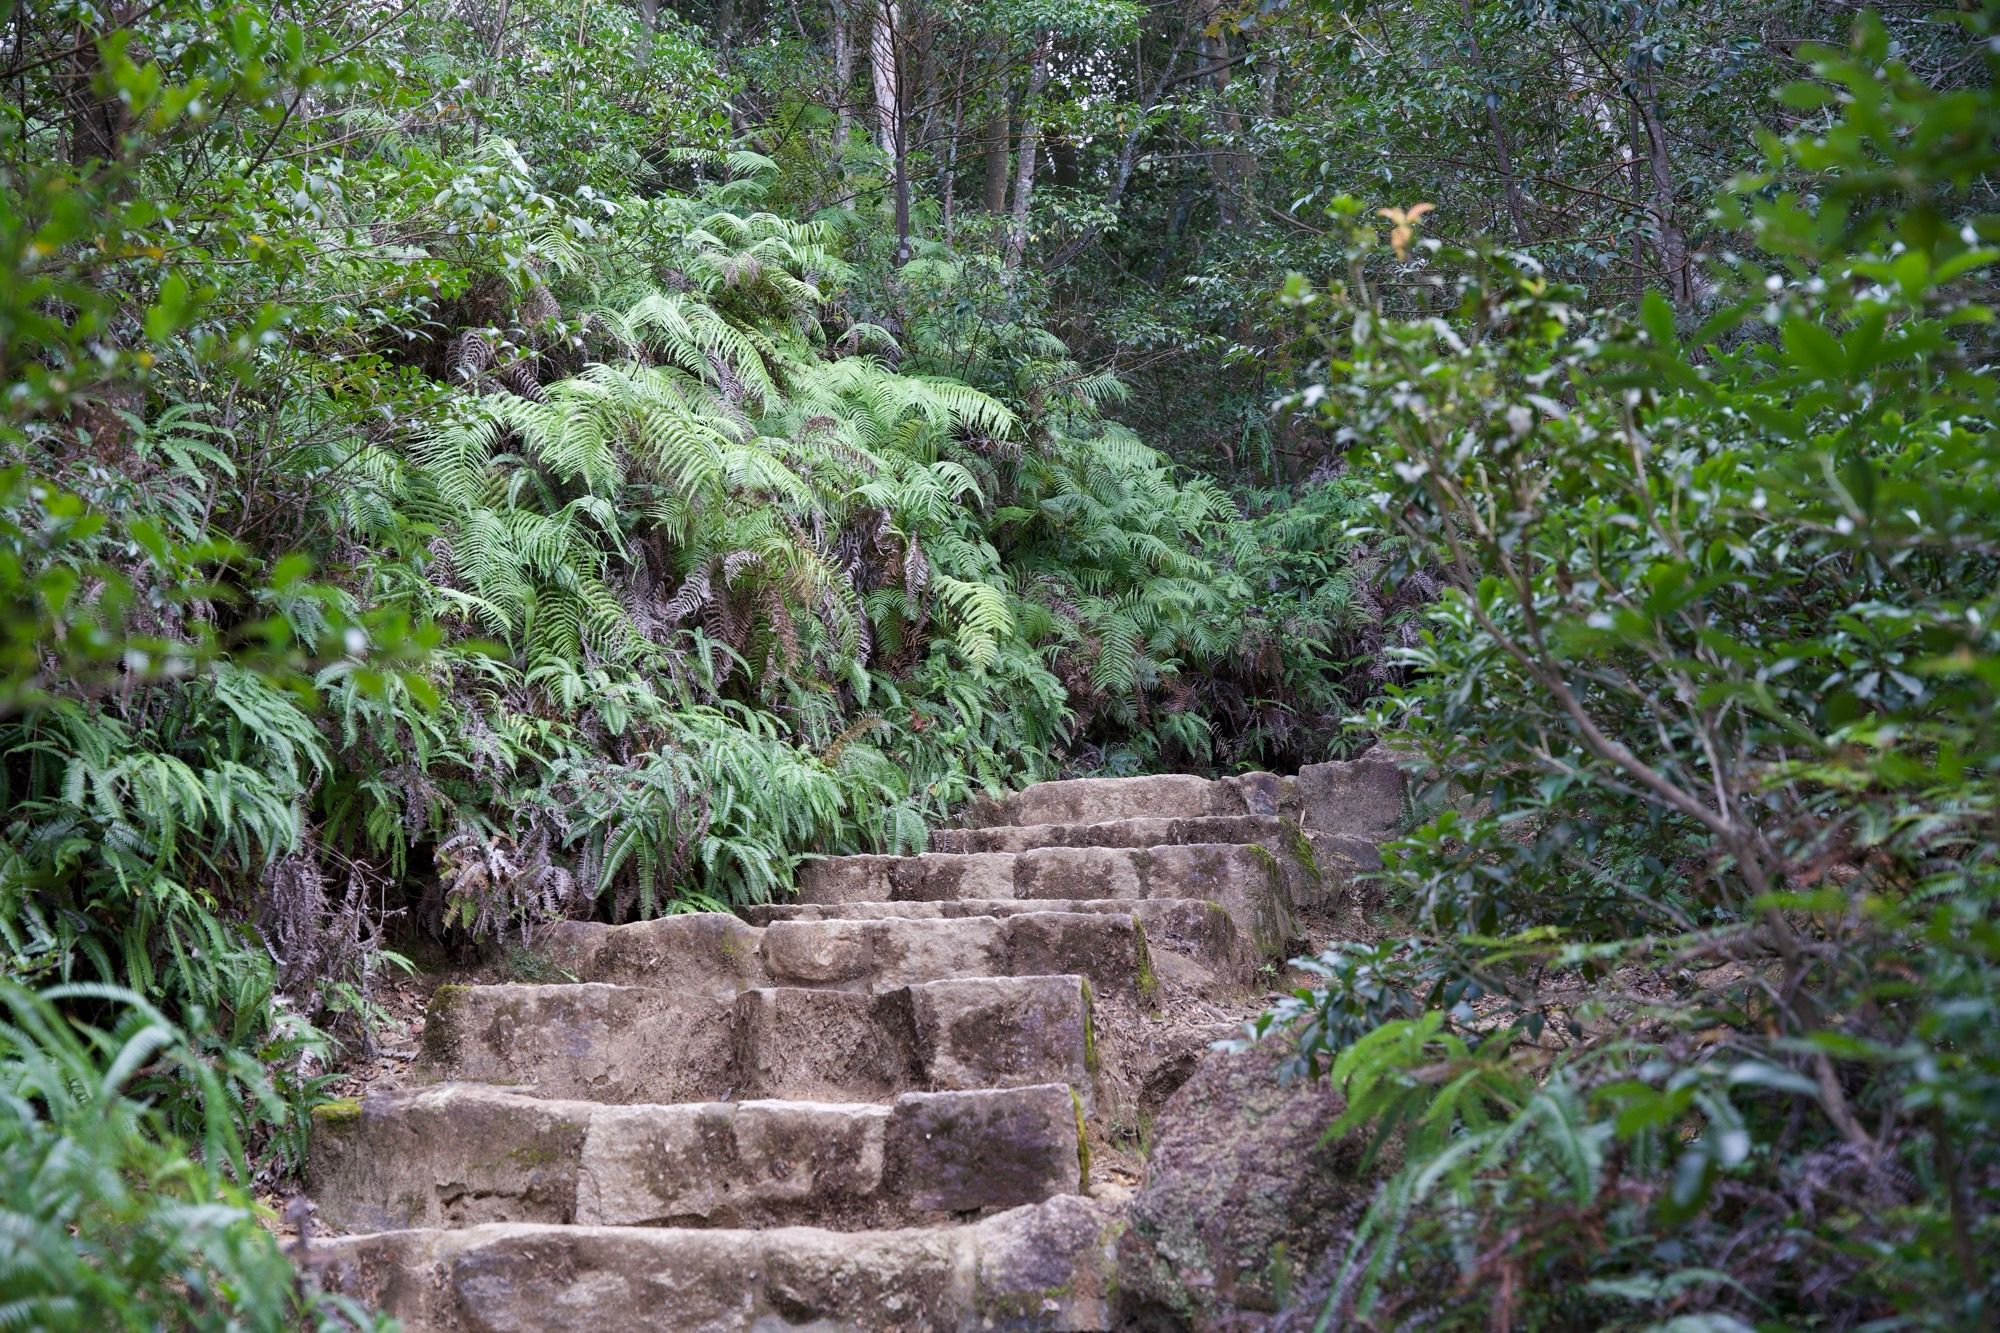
x,y
474,462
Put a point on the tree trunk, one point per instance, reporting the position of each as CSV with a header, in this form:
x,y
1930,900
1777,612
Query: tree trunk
x,y
1024,167
496,42
882,56
725,28
1673,245
843,83
886,56
1637,167
1229,167
949,193
917,92
999,164
1128,153
649,27
1503,150
1176,224
96,125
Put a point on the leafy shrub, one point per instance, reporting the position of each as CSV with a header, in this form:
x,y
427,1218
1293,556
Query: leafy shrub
x,y
110,1222
1696,1019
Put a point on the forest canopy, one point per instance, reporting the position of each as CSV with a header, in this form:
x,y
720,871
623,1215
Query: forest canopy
x,y
472,463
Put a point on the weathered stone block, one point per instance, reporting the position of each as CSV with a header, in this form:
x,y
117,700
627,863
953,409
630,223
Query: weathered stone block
x,y
994,1033
1079,872
1150,831
1242,1192
731,1163
706,953
1095,800
1361,798
825,1045
1109,949
587,1041
991,1148
452,1155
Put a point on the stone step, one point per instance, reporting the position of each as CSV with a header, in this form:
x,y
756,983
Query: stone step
x,y
1178,931
1318,866
720,955
462,1154
1256,887
1162,796
627,1044
1043,1266
1271,832
1359,799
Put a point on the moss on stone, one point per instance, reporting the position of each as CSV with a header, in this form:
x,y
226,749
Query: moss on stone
x,y
1301,849
525,964
340,1111
1274,914
440,1039
1089,1028
1024,1308
535,1154
1278,1273
1148,981
1082,1140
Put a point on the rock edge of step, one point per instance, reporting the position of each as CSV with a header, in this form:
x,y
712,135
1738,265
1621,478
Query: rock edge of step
x,y
720,955
590,1041
1257,888
466,1154
1043,1266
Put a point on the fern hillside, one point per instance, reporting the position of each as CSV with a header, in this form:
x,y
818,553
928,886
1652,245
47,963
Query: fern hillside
x,y
1393,599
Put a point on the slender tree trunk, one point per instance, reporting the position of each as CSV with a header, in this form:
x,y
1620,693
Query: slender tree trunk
x,y
902,200
495,44
887,57
1024,166
725,28
1503,149
949,193
1659,165
649,27
1176,224
843,83
999,164
1228,165
96,126
1637,167
915,91
1128,155
882,56
1221,159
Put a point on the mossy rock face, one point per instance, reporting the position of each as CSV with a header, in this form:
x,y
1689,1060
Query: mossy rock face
x,y
1089,1028
339,1112
1240,1194
1276,931
1082,1140
1299,847
440,1040
1147,983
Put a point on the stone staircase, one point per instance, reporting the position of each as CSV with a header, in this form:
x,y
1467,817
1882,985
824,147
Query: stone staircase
x,y
874,1107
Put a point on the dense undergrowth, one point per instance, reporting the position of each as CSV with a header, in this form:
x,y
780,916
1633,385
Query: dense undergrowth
x,y
426,512
1693,1026
472,464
